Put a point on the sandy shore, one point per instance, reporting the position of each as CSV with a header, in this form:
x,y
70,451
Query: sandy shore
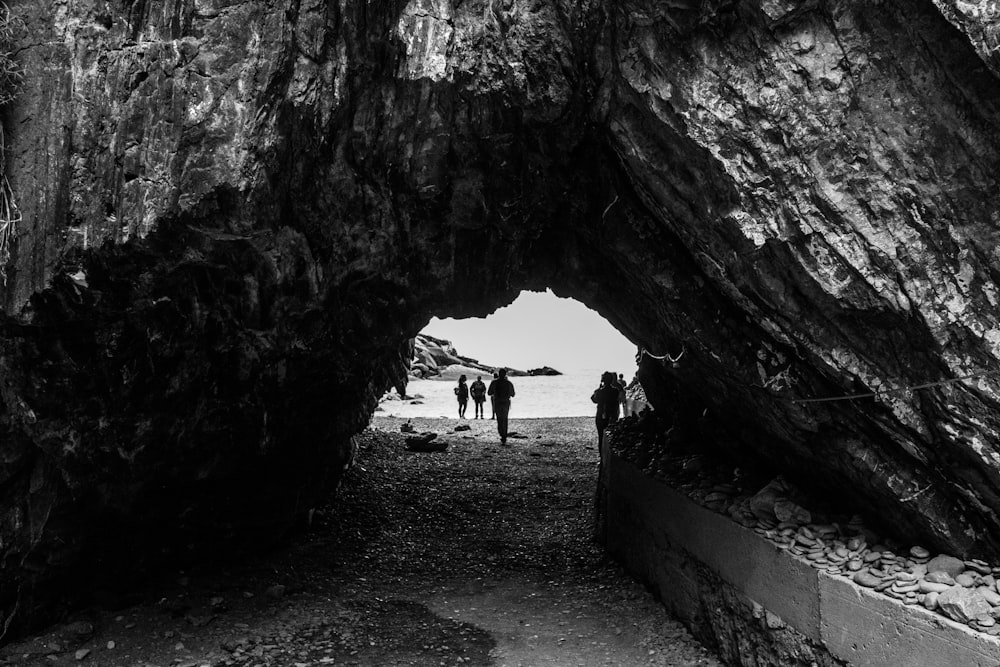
x,y
574,432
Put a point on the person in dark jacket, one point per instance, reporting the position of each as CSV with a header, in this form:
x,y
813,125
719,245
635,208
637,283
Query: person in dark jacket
x,y
501,391
462,393
478,391
606,398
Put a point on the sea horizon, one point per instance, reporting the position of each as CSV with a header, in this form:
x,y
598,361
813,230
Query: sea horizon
x,y
566,395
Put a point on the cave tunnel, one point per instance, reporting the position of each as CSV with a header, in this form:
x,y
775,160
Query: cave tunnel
x,y
244,216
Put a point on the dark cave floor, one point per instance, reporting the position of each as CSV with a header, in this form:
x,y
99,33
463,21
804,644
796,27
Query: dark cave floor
x,y
479,555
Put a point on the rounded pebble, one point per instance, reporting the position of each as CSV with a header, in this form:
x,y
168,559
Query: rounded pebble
x,y
941,578
978,567
866,579
931,587
919,552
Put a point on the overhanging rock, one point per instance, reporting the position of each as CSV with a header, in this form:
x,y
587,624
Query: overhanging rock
x,y
236,215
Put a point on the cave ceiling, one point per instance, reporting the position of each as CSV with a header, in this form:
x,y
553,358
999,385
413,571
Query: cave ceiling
x,y
235,214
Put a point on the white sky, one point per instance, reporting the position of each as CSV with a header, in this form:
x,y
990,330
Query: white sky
x,y
540,329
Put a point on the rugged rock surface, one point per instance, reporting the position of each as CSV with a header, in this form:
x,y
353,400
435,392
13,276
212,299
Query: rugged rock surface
x,y
236,214
436,358
431,355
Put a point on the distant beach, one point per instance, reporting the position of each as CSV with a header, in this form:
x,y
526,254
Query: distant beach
x,y
565,395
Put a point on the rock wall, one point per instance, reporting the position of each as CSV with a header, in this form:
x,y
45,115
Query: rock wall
x,y
836,188
237,213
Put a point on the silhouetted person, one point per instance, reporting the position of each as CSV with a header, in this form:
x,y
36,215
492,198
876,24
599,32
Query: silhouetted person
x,y
462,392
478,391
622,396
606,398
493,405
501,390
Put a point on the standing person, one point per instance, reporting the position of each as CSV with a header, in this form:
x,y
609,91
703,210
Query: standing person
x,y
493,403
478,391
501,390
606,398
462,392
622,396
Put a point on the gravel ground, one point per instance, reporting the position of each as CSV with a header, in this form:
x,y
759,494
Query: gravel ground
x,y
477,555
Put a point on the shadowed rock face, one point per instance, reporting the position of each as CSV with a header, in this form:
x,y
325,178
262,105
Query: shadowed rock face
x,y
237,213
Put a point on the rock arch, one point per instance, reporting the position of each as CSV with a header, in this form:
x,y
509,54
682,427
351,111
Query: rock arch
x,y
236,214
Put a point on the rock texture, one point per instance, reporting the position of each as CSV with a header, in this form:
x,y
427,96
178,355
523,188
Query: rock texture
x,y
437,358
433,357
236,214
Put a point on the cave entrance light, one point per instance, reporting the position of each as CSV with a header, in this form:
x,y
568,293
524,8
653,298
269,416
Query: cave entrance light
x,y
538,329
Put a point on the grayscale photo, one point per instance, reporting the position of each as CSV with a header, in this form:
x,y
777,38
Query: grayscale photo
x,y
500,333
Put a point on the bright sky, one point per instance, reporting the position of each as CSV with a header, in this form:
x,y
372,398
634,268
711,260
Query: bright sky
x,y
540,329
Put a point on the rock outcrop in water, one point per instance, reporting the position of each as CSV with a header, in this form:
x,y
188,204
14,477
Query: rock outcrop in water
x,y
437,358
433,355
237,214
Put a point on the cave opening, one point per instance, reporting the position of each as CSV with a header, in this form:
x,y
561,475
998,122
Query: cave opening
x,y
557,345
790,207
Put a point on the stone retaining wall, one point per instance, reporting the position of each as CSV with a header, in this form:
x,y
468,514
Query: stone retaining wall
x,y
757,604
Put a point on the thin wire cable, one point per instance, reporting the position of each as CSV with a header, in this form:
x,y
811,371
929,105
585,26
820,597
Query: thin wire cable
x,y
896,390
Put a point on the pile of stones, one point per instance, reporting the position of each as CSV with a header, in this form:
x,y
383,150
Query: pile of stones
x,y
963,590
966,591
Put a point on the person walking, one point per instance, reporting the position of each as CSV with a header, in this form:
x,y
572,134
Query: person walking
x,y
478,391
493,405
501,391
606,398
462,392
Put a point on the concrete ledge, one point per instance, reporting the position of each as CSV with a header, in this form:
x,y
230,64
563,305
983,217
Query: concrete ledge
x,y
863,627
670,541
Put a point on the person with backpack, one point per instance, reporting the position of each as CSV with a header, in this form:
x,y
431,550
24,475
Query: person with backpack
x,y
462,392
501,390
478,391
606,398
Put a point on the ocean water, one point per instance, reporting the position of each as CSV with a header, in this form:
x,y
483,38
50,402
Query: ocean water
x,y
565,395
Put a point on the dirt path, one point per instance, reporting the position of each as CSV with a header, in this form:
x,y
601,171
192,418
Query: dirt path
x,y
479,555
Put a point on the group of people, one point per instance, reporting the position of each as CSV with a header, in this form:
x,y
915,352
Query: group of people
x,y
609,397
500,391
